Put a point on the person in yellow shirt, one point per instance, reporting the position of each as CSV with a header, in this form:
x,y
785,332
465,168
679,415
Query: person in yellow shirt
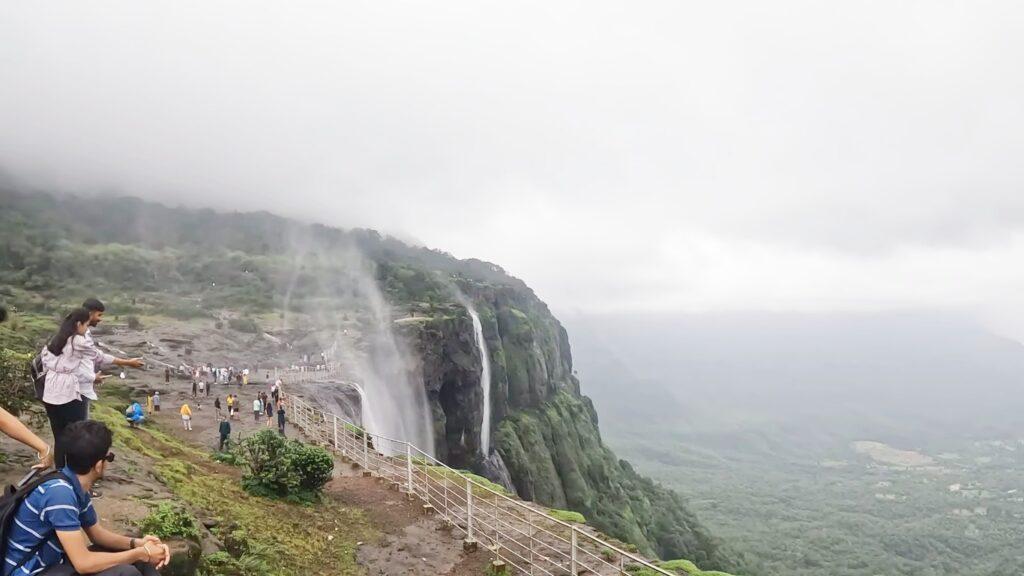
x,y
186,416
149,405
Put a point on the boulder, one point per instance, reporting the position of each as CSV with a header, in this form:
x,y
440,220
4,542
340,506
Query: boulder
x,y
185,556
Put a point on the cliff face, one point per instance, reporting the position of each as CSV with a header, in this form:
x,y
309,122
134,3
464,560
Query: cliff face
x,y
544,430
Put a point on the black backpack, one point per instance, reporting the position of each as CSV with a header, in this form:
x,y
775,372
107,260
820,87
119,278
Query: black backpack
x,y
38,373
11,500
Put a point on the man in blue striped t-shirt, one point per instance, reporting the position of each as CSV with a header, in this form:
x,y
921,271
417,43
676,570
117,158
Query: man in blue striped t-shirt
x,y
47,536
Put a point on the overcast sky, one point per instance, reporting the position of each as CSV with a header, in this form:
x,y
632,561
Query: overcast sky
x,y
694,156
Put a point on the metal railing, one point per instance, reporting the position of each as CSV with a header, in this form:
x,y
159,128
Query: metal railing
x,y
526,538
305,376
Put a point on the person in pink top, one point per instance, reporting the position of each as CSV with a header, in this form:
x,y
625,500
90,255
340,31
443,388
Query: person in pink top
x,y
65,358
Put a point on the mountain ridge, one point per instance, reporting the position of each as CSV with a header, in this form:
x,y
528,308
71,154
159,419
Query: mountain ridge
x,y
198,263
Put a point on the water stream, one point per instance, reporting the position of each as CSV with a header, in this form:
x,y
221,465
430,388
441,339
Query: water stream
x,y
485,380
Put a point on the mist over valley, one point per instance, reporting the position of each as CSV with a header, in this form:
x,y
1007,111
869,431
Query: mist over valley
x,y
851,441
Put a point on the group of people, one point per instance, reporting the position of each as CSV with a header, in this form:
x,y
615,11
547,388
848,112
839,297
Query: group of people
x,y
261,405
46,536
265,404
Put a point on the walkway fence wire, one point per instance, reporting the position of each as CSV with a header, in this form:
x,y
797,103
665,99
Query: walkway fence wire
x,y
527,539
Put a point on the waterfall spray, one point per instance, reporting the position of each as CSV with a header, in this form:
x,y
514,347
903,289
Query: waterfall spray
x,y
485,379
339,283
366,418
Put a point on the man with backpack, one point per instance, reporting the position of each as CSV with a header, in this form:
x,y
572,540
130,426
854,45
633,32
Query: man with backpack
x,y
43,522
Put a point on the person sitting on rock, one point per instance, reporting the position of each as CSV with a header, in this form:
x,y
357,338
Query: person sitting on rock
x,y
49,534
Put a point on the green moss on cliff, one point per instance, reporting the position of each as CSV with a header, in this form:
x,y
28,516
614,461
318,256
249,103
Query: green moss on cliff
x,y
555,455
567,516
684,567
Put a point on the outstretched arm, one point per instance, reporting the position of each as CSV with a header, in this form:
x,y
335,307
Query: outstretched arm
x,y
16,429
100,358
129,362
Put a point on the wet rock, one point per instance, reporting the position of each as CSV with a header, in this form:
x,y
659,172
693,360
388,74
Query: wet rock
x,y
185,556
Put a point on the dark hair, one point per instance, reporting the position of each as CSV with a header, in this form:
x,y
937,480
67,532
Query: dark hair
x,y
86,442
3,313
68,329
94,305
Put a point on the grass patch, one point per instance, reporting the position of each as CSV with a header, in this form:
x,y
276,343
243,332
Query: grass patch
x,y
263,536
27,331
567,516
440,473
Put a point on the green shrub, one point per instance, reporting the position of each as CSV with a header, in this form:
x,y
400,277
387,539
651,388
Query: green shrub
x,y
244,325
267,467
231,457
134,323
169,520
16,393
288,469
224,564
313,464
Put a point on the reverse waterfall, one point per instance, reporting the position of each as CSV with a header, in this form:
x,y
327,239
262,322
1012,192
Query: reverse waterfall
x,y
485,380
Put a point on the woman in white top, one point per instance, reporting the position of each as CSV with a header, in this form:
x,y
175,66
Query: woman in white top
x,y
66,358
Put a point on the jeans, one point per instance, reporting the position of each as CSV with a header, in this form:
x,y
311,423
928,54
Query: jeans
x,y
61,415
223,439
137,569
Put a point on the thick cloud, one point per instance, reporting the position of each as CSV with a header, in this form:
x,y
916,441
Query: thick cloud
x,y
656,155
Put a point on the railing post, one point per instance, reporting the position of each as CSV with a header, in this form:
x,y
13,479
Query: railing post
x,y
366,451
572,569
337,448
530,540
408,467
469,511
